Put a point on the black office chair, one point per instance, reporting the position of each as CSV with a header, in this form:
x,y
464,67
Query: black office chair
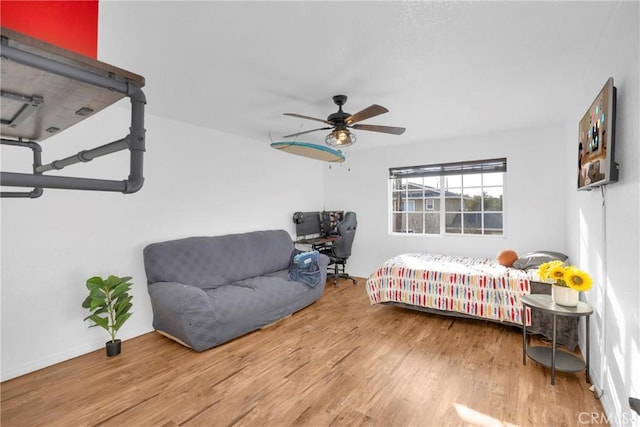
x,y
340,251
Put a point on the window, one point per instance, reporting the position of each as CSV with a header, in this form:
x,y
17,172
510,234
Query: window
x,y
408,205
448,198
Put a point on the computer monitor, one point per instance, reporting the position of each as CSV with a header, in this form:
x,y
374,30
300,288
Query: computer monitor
x,y
307,223
329,222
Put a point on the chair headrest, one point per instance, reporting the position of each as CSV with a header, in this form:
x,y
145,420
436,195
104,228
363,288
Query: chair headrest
x,y
349,222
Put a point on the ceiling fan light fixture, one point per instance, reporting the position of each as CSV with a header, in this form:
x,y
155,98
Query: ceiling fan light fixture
x,y
341,138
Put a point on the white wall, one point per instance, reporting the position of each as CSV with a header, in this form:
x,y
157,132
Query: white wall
x,y
605,240
533,195
197,182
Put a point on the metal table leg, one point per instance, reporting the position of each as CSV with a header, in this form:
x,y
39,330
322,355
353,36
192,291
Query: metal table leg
x,y
587,355
553,352
524,335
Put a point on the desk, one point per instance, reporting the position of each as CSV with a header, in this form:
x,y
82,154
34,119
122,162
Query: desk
x,y
317,242
552,357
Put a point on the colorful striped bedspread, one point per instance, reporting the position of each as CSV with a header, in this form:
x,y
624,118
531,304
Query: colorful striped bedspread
x,y
479,287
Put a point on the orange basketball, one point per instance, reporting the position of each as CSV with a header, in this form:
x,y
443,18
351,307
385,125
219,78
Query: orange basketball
x,y
507,257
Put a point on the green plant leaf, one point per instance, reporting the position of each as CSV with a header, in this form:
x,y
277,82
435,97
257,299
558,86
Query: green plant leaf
x,y
97,313
103,322
97,301
94,282
120,289
102,310
87,302
98,293
122,304
123,296
123,310
112,281
120,321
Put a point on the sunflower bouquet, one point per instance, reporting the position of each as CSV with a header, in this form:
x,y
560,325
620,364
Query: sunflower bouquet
x,y
566,276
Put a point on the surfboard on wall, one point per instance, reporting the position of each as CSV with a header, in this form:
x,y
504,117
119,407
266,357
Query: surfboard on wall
x,y
313,151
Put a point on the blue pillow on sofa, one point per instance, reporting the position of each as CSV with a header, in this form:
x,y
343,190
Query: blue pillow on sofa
x,y
304,268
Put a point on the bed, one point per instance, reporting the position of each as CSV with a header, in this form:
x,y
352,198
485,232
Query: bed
x,y
470,287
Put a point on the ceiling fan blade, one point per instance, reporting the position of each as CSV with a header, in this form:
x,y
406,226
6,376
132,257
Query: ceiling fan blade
x,y
384,129
307,117
367,113
306,131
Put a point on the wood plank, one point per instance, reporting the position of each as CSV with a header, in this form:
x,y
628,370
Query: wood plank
x,y
340,361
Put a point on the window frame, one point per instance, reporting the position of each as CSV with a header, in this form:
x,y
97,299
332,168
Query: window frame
x,y
441,171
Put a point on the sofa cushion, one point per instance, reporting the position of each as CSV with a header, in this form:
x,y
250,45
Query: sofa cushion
x,y
243,307
266,298
212,261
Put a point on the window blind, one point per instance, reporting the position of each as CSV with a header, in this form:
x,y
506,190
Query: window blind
x,y
457,168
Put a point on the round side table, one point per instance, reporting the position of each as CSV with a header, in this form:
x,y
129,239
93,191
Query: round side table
x,y
552,357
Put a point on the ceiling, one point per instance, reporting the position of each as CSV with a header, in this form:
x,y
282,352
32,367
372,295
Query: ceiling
x,y
443,69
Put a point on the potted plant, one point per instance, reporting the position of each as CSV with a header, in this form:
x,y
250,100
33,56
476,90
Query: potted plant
x,y
109,303
566,282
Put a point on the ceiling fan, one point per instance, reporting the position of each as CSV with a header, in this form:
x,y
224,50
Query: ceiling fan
x,y
340,122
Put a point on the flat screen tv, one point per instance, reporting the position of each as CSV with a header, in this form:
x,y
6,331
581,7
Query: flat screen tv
x,y
596,141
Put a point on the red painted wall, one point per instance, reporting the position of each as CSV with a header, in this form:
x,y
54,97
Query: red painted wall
x,y
72,25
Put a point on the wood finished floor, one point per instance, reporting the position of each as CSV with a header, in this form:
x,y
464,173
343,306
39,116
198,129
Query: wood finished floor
x,y
340,361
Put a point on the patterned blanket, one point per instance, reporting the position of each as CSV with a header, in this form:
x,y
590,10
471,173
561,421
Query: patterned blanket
x,y
478,287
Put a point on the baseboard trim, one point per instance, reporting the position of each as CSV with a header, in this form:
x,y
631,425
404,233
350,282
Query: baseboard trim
x,y
36,365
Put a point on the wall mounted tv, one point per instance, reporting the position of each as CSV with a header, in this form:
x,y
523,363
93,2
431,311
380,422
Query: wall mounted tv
x,y
596,141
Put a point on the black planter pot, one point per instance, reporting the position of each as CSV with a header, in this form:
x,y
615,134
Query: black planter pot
x,y
113,347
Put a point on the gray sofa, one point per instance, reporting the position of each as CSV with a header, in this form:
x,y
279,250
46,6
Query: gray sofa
x,y
208,290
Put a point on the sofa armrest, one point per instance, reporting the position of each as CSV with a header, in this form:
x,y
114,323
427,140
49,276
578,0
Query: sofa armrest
x,y
178,309
178,298
323,261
